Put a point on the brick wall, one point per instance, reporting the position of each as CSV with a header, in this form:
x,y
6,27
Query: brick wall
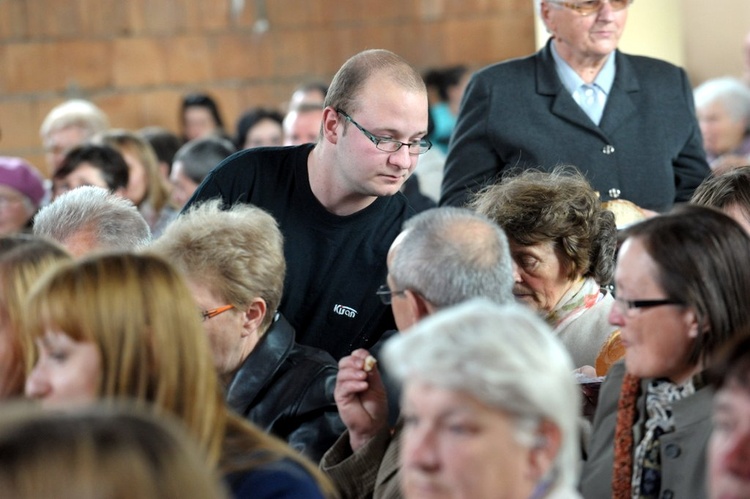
x,y
137,58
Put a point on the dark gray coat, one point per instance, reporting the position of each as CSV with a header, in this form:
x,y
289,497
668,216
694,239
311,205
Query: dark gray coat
x,y
683,451
648,147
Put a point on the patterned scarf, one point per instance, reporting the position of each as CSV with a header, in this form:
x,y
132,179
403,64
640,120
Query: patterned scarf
x,y
580,297
637,475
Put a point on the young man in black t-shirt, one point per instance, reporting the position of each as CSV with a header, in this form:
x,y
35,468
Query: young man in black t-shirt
x,y
338,202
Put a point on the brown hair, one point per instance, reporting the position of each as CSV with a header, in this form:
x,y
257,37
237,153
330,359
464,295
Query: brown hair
x,y
560,207
157,193
702,259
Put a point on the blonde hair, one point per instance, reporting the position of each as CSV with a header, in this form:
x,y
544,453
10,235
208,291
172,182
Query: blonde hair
x,y
139,312
238,252
20,267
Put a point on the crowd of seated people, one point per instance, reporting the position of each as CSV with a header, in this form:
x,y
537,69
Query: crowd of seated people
x,y
266,311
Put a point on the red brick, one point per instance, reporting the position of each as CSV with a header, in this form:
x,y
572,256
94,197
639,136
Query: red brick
x,y
138,61
294,13
293,52
187,59
31,67
201,15
161,108
122,109
104,18
241,56
58,18
13,20
19,124
85,64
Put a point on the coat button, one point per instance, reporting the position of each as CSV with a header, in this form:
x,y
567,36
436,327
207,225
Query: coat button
x,y
608,149
667,494
614,193
672,450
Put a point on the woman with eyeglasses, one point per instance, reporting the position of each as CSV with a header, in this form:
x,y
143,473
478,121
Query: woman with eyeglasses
x,y
118,326
682,288
627,121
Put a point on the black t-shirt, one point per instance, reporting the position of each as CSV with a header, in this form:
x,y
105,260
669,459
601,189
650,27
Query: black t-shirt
x,y
334,263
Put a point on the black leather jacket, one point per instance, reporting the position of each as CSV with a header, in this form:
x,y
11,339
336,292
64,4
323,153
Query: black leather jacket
x,y
287,390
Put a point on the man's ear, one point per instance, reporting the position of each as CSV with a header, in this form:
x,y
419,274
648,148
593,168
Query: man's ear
x,y
418,306
329,125
544,450
253,317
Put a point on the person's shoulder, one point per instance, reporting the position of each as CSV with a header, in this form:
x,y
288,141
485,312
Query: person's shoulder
x,y
281,478
514,65
263,157
312,356
649,66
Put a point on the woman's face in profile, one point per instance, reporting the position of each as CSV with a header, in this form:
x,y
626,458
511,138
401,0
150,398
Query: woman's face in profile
x,y
540,277
657,340
67,373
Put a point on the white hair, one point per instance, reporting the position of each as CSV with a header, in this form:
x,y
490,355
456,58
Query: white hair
x,y
116,221
731,92
75,112
504,356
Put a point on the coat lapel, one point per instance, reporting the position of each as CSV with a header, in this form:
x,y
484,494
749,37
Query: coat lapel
x,y
548,83
620,106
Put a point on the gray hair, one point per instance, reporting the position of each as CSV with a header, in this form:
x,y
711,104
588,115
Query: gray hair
x,y
505,357
116,222
200,156
449,255
731,92
75,112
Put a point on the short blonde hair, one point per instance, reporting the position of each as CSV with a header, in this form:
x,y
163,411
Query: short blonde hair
x,y
238,252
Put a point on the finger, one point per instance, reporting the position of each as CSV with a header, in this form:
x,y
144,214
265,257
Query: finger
x,y
348,389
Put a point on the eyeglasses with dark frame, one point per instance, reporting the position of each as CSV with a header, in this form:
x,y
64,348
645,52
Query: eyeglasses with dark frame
x,y
627,306
390,145
210,314
386,295
587,7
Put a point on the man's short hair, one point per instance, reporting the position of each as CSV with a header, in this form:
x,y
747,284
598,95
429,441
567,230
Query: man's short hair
x,y
116,222
353,75
449,255
200,156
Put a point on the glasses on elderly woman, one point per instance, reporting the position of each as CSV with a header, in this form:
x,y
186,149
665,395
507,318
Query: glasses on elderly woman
x,y
210,314
626,307
587,7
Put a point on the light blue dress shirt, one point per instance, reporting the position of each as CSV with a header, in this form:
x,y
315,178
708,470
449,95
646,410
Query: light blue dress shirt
x,y
590,97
